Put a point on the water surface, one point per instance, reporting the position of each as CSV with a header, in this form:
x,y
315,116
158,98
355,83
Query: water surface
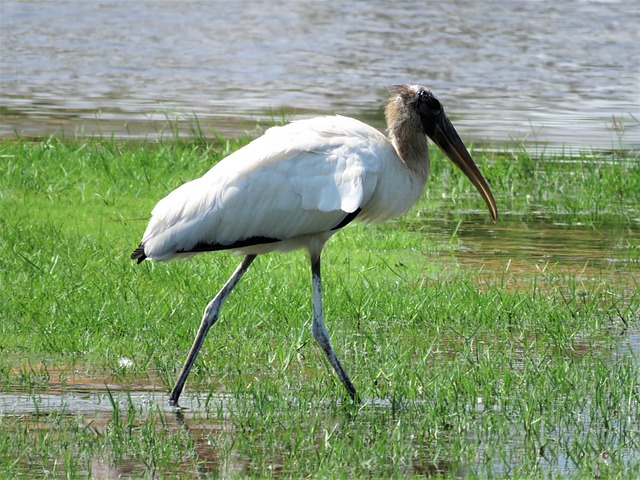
x,y
556,73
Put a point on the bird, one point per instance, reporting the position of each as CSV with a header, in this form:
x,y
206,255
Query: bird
x,y
296,186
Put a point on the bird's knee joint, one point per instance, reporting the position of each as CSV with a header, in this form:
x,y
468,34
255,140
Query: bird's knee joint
x,y
320,334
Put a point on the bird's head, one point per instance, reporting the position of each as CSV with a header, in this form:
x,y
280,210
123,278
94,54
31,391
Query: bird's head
x,y
412,109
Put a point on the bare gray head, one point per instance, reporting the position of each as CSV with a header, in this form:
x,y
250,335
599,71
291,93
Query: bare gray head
x,y
411,103
413,113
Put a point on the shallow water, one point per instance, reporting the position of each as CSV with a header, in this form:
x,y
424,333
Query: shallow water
x,y
206,416
512,254
519,250
560,74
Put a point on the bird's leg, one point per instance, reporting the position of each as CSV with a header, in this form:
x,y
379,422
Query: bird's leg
x,y
320,331
209,318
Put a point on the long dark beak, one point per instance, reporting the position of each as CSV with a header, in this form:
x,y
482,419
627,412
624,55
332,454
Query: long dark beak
x,y
445,136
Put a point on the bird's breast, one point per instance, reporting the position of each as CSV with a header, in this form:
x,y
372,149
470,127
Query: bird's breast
x,y
397,190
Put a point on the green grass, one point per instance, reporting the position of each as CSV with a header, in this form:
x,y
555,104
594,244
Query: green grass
x,y
470,369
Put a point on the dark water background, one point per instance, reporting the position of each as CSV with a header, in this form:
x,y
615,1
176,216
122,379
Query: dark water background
x,y
560,74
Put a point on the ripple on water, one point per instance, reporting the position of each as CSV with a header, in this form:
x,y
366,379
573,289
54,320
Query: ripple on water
x,y
560,75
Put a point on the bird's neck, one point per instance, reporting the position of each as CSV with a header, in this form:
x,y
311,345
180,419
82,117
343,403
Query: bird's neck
x,y
409,141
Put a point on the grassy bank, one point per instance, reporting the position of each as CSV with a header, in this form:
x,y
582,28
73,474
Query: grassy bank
x,y
469,369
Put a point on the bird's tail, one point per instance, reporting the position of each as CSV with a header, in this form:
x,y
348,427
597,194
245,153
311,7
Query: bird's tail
x,y
138,254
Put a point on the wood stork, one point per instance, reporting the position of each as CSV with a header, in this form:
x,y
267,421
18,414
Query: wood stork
x,y
297,185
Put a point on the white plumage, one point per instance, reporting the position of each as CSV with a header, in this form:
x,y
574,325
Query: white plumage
x,y
296,186
297,180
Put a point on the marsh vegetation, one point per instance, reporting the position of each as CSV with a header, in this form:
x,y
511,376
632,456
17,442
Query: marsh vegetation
x,y
506,349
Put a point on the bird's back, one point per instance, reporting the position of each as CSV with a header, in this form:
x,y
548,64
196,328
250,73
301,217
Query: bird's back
x,y
306,178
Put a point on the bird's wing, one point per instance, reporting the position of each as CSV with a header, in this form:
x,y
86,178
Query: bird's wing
x,y
300,179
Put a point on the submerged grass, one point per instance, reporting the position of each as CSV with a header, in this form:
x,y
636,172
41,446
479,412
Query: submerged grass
x,y
465,375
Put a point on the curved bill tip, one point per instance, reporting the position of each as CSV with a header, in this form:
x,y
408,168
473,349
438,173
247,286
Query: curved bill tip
x,y
448,140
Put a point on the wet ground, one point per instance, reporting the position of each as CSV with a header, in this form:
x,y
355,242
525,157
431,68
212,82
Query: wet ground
x,y
518,253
